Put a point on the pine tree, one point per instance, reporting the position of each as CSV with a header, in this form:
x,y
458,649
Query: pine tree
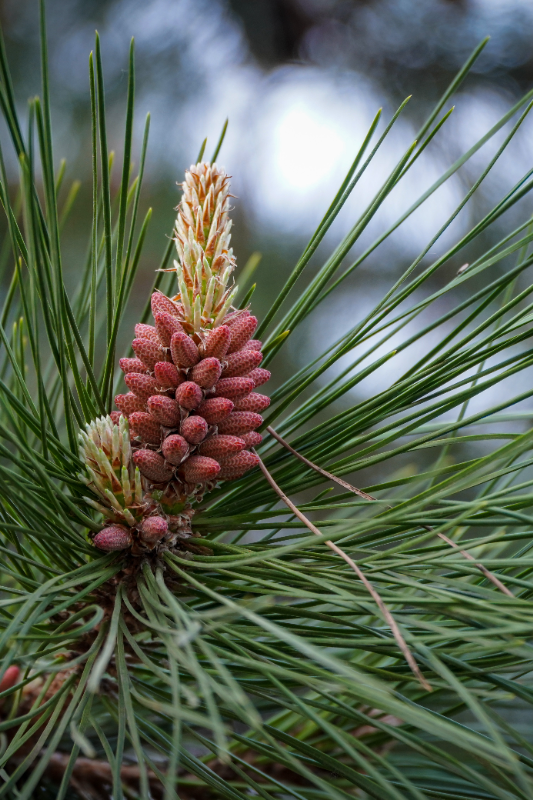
x,y
369,643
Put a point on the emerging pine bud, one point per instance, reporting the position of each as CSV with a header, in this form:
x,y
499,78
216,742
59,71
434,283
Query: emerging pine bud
x,y
128,403
164,410
175,448
105,448
162,304
197,368
142,385
215,409
259,376
241,331
220,447
145,427
205,261
240,363
252,402
131,365
235,466
207,372
218,342
149,352
183,350
198,469
166,326
167,376
153,529
194,429
252,439
234,387
143,331
189,395
240,422
113,537
152,466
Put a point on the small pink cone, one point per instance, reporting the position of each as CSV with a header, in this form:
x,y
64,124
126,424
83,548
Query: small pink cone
x,y
240,363
166,325
128,403
215,409
259,376
10,678
198,469
167,376
144,426
194,429
162,303
207,372
175,448
235,466
142,385
189,395
115,416
241,331
148,352
240,422
183,350
164,410
143,331
220,447
252,402
252,439
218,342
153,529
113,537
152,466
253,344
131,365
234,387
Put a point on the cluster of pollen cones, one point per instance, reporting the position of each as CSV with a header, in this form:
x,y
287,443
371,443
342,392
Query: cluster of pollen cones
x,y
192,408
192,405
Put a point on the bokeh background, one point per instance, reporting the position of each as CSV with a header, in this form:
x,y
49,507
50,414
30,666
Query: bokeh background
x,y
300,81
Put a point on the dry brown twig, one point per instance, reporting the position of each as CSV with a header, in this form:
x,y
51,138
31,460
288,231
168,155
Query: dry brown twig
x,y
364,580
489,575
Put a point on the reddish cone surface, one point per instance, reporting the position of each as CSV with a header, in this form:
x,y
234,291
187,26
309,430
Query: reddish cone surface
x,y
198,469
128,403
175,448
164,410
259,376
153,466
113,537
252,402
194,429
145,427
131,365
252,439
215,409
153,529
220,447
207,372
235,466
240,422
241,363
141,385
